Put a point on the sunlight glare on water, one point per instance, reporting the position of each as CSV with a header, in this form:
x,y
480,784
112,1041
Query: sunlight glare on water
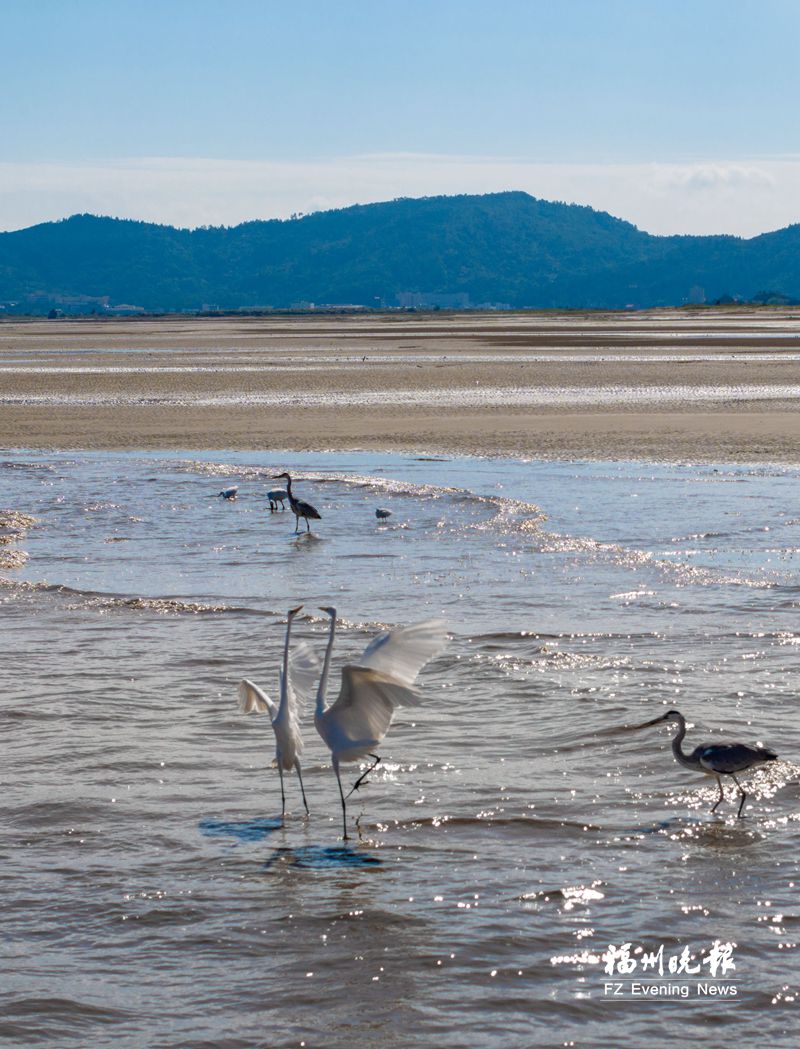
x,y
514,829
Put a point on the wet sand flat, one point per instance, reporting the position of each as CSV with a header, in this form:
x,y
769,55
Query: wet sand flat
x,y
699,385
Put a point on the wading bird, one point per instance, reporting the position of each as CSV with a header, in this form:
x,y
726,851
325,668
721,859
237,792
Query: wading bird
x,y
299,508
229,493
715,759
277,495
297,673
382,514
359,718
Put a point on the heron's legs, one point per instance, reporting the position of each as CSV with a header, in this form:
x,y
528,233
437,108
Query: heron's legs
x,y
721,794
283,794
302,788
742,792
296,523
341,795
364,775
308,525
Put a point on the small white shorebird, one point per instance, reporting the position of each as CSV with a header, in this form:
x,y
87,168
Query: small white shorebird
x,y
715,759
297,674
229,493
277,495
383,678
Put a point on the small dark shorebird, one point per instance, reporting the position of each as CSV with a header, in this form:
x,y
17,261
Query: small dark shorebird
x,y
715,759
299,508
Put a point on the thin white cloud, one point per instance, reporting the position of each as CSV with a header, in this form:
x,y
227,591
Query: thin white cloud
x,y
715,176
721,196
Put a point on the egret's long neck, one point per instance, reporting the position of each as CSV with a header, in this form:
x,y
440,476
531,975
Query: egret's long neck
x,y
285,675
677,749
326,666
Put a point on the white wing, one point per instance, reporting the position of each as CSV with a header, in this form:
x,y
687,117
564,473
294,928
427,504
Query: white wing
x,y
401,653
253,701
362,713
304,670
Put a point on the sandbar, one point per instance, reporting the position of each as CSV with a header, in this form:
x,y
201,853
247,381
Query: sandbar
x,y
680,385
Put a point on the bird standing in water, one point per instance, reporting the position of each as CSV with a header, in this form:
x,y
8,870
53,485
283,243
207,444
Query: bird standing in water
x,y
354,725
299,507
277,495
715,759
229,493
298,672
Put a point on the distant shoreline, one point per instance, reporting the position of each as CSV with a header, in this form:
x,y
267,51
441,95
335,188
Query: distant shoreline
x,y
679,385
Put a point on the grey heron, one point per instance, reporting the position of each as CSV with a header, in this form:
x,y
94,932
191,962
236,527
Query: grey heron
x,y
229,493
299,507
715,759
297,673
356,722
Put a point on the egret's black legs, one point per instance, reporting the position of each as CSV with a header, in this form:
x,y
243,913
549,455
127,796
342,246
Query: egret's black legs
x,y
364,775
721,794
283,794
341,795
302,788
742,792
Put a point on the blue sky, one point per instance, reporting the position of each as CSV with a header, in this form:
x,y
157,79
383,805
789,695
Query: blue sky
x,y
680,116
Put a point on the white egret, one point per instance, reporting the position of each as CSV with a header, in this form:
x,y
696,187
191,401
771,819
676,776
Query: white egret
x,y
229,493
715,759
382,679
299,508
277,495
296,675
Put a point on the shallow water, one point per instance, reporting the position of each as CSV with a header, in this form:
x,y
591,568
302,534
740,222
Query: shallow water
x,y
514,830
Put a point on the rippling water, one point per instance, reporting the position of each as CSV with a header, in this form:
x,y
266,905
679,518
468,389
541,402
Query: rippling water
x,y
515,828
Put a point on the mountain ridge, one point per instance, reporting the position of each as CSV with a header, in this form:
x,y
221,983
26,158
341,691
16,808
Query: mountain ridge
x,y
507,249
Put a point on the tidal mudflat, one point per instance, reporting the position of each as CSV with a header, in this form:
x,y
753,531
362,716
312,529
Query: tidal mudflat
x,y
715,385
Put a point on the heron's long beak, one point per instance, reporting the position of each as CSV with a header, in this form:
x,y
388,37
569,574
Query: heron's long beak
x,y
294,611
647,724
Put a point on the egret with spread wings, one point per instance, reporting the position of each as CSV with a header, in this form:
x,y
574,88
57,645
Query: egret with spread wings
x,y
354,725
296,678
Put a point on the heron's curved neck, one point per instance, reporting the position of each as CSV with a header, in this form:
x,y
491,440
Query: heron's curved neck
x,y
285,675
292,500
677,749
326,666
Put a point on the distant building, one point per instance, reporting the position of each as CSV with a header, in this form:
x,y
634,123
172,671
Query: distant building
x,y
124,308
433,299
